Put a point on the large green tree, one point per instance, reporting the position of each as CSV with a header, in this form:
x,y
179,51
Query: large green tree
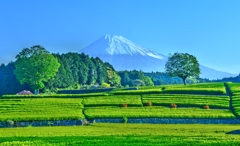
x,y
182,65
34,66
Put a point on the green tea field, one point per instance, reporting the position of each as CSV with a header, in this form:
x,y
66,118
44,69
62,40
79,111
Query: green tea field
x,y
198,101
123,134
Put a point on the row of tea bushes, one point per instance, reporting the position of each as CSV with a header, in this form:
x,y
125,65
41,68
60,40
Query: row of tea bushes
x,y
158,112
41,109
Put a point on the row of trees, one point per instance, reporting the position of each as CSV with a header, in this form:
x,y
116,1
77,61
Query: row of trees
x,y
79,69
36,68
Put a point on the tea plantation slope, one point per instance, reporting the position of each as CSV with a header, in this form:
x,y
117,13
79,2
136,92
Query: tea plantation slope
x,y
40,109
108,105
215,98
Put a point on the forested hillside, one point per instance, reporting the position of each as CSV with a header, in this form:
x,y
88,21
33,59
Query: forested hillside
x,y
75,71
79,71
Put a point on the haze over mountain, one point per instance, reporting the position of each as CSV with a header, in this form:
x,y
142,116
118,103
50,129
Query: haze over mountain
x,y
126,55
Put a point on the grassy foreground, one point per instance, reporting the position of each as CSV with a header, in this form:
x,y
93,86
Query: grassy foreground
x,y
123,134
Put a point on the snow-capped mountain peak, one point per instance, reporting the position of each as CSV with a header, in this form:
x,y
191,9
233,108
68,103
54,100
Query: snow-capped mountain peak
x,y
117,45
126,55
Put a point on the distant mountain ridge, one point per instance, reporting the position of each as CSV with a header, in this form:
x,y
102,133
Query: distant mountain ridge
x,y
126,55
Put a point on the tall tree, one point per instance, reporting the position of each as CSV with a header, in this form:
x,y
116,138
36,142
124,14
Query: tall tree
x,y
34,66
182,65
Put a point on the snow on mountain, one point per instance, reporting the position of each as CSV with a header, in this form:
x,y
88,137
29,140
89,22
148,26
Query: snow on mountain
x,y
126,55
115,45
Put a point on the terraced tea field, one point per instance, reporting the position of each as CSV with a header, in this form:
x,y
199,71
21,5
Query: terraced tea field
x,y
157,112
187,100
40,109
107,104
235,92
123,134
203,89
117,100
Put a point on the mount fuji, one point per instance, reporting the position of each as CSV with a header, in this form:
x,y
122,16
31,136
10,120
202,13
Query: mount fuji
x,y
126,55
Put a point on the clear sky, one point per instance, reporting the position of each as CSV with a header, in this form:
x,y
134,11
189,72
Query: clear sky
x,y
207,29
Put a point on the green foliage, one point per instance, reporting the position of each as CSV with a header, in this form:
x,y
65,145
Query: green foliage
x,y
134,78
41,109
105,85
133,100
234,88
137,92
138,82
8,81
55,96
235,93
156,112
123,134
101,105
182,65
113,78
125,119
187,100
35,66
148,81
203,88
159,78
77,70
82,70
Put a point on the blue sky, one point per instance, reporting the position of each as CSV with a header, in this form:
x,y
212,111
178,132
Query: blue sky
x,y
207,29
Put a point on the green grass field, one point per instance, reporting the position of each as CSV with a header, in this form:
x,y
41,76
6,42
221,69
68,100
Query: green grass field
x,y
123,134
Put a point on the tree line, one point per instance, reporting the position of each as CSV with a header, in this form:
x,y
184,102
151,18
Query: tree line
x,y
35,68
